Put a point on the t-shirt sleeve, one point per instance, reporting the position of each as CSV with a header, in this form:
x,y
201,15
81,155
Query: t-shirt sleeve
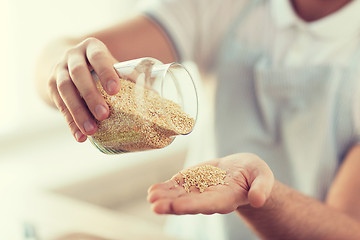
x,y
195,27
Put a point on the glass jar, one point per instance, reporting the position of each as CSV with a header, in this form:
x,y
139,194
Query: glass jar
x,y
156,103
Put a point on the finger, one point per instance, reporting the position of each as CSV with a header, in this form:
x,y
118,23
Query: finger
x,y
68,117
260,188
75,105
163,206
81,77
167,189
205,203
163,194
169,184
102,62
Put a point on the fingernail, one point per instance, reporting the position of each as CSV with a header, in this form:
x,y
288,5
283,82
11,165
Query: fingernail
x,y
89,126
101,112
79,135
111,86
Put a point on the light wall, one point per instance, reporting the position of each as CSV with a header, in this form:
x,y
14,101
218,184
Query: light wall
x,y
29,25
31,133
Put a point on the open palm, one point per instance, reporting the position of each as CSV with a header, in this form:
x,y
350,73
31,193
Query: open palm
x,y
248,181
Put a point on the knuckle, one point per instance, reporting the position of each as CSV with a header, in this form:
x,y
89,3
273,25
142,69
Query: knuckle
x,y
51,85
97,54
90,40
72,125
77,69
71,122
63,109
57,66
70,52
63,84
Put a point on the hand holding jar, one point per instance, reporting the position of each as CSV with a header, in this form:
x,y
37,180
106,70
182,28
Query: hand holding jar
x,y
73,91
156,102
129,106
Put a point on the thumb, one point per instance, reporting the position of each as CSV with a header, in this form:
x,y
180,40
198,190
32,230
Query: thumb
x,y
260,188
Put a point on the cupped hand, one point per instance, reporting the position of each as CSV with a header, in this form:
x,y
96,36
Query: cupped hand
x,y
73,90
248,180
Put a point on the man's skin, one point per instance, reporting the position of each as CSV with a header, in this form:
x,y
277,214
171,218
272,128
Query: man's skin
x,y
272,210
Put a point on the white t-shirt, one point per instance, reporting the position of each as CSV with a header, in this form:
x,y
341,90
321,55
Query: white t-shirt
x,y
286,90
197,28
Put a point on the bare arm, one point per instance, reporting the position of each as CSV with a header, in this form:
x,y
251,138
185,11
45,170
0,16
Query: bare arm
x,y
289,214
286,214
63,70
344,194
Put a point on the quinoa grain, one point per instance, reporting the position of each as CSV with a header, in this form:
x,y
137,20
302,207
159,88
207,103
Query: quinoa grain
x,y
202,177
140,119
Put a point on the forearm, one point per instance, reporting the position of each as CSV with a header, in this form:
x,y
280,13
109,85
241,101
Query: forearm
x,y
289,214
135,38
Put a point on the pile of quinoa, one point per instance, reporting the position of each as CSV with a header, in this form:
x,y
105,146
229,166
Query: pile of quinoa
x,y
202,177
140,119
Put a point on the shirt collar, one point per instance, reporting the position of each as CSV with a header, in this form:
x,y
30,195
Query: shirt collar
x,y
344,22
283,13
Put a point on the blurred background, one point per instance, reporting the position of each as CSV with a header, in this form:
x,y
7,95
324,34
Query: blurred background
x,y
49,183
